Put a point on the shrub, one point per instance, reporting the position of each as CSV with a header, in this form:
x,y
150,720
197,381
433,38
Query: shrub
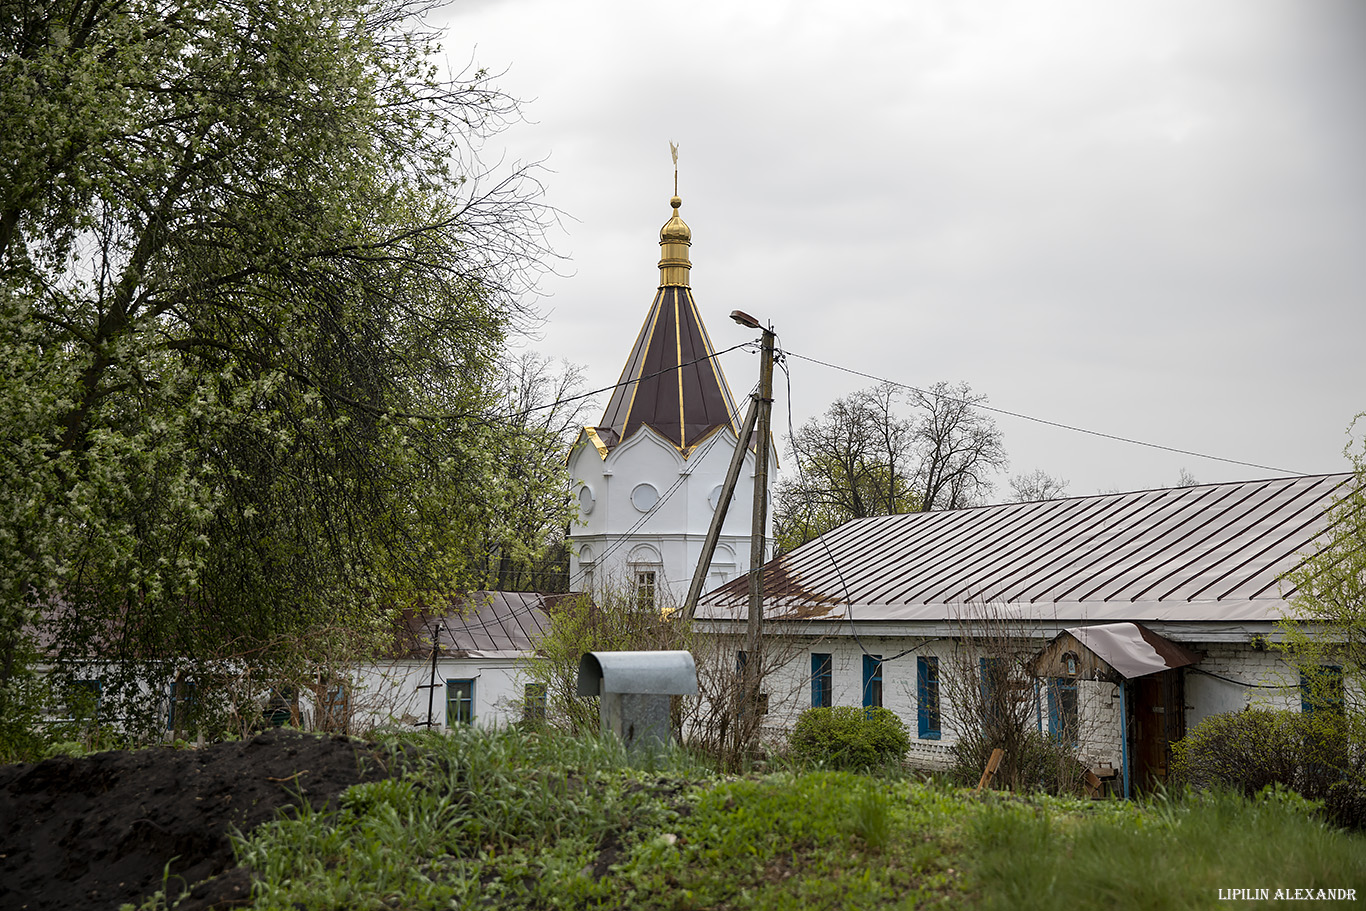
x,y
1319,755
846,737
1040,764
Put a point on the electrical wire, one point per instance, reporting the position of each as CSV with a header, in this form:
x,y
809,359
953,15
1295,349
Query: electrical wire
x,y
1243,683
781,362
664,498
1044,421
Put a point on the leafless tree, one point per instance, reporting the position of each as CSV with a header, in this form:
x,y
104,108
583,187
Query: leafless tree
x,y
959,446
1036,486
861,458
996,702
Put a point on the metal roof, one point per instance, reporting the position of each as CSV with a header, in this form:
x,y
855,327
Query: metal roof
x,y
482,625
1211,552
1131,649
679,389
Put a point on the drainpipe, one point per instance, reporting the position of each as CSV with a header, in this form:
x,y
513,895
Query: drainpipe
x,y
1124,739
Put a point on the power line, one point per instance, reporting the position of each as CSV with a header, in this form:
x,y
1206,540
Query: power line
x,y
640,379
1027,417
830,554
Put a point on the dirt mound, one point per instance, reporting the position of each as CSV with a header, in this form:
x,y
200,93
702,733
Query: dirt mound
x,y
98,831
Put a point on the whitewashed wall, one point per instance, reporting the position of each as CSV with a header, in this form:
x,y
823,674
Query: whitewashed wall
x,y
1275,684
393,693
789,688
605,539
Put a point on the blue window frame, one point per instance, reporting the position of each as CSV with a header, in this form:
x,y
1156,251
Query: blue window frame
x,y
872,681
995,691
927,697
1321,691
1063,714
533,703
459,702
821,689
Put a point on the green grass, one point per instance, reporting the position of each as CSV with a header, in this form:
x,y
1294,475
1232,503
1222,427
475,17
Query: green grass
x,y
521,820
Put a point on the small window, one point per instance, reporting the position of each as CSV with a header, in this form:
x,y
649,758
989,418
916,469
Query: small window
x,y
282,708
81,702
1063,716
872,681
459,702
927,697
1321,690
645,589
533,703
334,707
821,692
995,691
184,705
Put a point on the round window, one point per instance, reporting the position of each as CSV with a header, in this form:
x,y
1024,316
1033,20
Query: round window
x,y
585,500
644,497
715,498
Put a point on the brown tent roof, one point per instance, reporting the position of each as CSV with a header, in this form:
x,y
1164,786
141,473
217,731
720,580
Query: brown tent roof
x,y
671,381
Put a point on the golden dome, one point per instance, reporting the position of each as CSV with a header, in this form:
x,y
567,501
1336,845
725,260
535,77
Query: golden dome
x,y
675,230
674,239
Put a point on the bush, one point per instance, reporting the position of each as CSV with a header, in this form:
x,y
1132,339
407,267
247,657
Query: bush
x,y
1320,756
846,737
1040,764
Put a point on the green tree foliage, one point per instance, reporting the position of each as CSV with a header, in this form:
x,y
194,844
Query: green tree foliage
x,y
254,288
527,547
1324,632
580,624
862,459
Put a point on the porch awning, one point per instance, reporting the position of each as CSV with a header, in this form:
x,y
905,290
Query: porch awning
x,y
1127,650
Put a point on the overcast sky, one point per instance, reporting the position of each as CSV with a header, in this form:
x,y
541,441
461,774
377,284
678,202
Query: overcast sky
x,y
1146,219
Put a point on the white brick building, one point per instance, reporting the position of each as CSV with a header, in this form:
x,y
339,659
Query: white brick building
x,y
874,612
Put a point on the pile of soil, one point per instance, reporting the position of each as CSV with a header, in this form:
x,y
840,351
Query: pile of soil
x,y
98,831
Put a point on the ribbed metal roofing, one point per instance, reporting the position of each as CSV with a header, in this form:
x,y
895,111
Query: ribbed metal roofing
x,y
484,625
1207,553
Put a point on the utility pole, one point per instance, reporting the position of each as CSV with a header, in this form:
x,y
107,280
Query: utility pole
x,y
718,518
752,671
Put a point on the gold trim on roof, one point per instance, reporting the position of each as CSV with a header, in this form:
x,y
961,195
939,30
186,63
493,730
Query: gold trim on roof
x,y
640,368
596,440
678,376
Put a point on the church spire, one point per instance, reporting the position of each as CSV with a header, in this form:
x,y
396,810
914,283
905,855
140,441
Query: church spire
x,y
672,381
674,239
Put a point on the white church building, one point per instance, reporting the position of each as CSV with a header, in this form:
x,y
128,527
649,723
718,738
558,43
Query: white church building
x,y
648,476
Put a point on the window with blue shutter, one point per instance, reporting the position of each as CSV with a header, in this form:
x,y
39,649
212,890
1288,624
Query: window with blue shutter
x,y
1063,715
1321,690
872,681
821,693
927,697
459,702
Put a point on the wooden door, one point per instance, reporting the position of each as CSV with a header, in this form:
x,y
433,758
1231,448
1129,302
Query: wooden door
x,y
1159,721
